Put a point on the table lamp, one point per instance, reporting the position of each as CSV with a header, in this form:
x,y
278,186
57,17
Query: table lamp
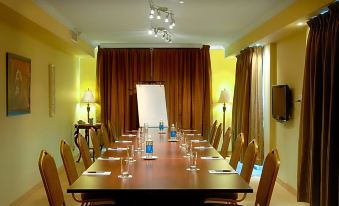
x,y
224,97
88,98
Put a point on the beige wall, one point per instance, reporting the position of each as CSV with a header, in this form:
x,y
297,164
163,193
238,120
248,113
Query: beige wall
x,y
290,53
23,136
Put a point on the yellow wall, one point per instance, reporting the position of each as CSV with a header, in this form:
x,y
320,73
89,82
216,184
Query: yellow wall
x,y
87,81
23,136
290,53
223,76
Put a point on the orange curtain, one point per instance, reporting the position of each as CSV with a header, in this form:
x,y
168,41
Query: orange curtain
x,y
118,71
187,77
241,97
247,114
318,173
186,74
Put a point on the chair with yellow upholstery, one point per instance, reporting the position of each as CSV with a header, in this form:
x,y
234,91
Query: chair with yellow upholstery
x,y
95,142
212,132
226,141
266,182
236,153
105,137
50,178
72,175
84,150
217,137
246,173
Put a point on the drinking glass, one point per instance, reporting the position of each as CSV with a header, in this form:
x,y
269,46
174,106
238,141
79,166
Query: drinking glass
x,y
124,168
140,141
130,153
193,161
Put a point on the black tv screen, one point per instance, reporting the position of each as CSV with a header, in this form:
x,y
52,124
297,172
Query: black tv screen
x,y
281,102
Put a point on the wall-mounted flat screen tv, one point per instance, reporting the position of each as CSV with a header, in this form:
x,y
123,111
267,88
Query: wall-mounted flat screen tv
x,y
281,102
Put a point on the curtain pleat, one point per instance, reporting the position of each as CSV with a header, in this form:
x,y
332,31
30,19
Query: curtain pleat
x,y
241,97
318,175
256,103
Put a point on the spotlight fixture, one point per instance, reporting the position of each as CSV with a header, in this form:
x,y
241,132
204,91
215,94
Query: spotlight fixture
x,y
162,32
160,12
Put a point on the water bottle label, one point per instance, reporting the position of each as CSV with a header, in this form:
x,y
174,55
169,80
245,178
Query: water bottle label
x,y
161,127
173,134
149,147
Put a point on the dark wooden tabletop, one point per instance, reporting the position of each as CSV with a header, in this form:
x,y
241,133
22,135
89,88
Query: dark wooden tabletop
x,y
166,173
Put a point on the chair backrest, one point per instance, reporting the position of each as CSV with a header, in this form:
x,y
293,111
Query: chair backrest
x,y
95,142
249,161
226,141
105,138
68,161
268,178
212,132
236,153
217,137
110,131
84,150
50,178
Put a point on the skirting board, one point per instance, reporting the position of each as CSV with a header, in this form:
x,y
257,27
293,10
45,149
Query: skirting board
x,y
287,186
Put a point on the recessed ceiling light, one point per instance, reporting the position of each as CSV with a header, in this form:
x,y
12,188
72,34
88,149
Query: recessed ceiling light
x,y
181,2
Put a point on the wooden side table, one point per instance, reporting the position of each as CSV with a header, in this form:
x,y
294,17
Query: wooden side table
x,y
86,127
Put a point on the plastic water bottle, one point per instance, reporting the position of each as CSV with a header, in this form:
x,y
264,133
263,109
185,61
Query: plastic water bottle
x,y
161,125
173,133
149,147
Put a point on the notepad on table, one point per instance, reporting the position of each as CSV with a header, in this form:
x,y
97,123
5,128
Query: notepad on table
x,y
123,141
222,172
212,158
128,135
203,147
197,141
117,148
96,173
108,158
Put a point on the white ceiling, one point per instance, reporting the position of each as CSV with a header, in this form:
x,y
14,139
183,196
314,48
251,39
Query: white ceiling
x,y
212,22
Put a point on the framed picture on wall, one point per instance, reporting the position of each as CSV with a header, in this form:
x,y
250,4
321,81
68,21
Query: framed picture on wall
x,y
18,84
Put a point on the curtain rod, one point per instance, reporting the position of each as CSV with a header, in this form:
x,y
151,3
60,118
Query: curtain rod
x,y
118,45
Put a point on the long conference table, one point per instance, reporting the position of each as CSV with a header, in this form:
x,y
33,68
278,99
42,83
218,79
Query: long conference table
x,y
162,181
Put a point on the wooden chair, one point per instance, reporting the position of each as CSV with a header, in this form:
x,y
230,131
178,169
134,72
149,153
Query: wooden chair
x,y
111,131
50,178
217,137
236,153
95,142
249,161
212,132
72,175
266,182
246,173
226,141
105,137
84,150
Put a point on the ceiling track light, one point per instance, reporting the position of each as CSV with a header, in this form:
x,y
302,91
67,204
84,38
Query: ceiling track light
x,y
162,32
161,11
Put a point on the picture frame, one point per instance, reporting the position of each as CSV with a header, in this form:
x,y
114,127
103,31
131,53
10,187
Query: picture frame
x,y
18,84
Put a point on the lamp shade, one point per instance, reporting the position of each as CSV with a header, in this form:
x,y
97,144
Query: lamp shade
x,y
224,97
88,97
